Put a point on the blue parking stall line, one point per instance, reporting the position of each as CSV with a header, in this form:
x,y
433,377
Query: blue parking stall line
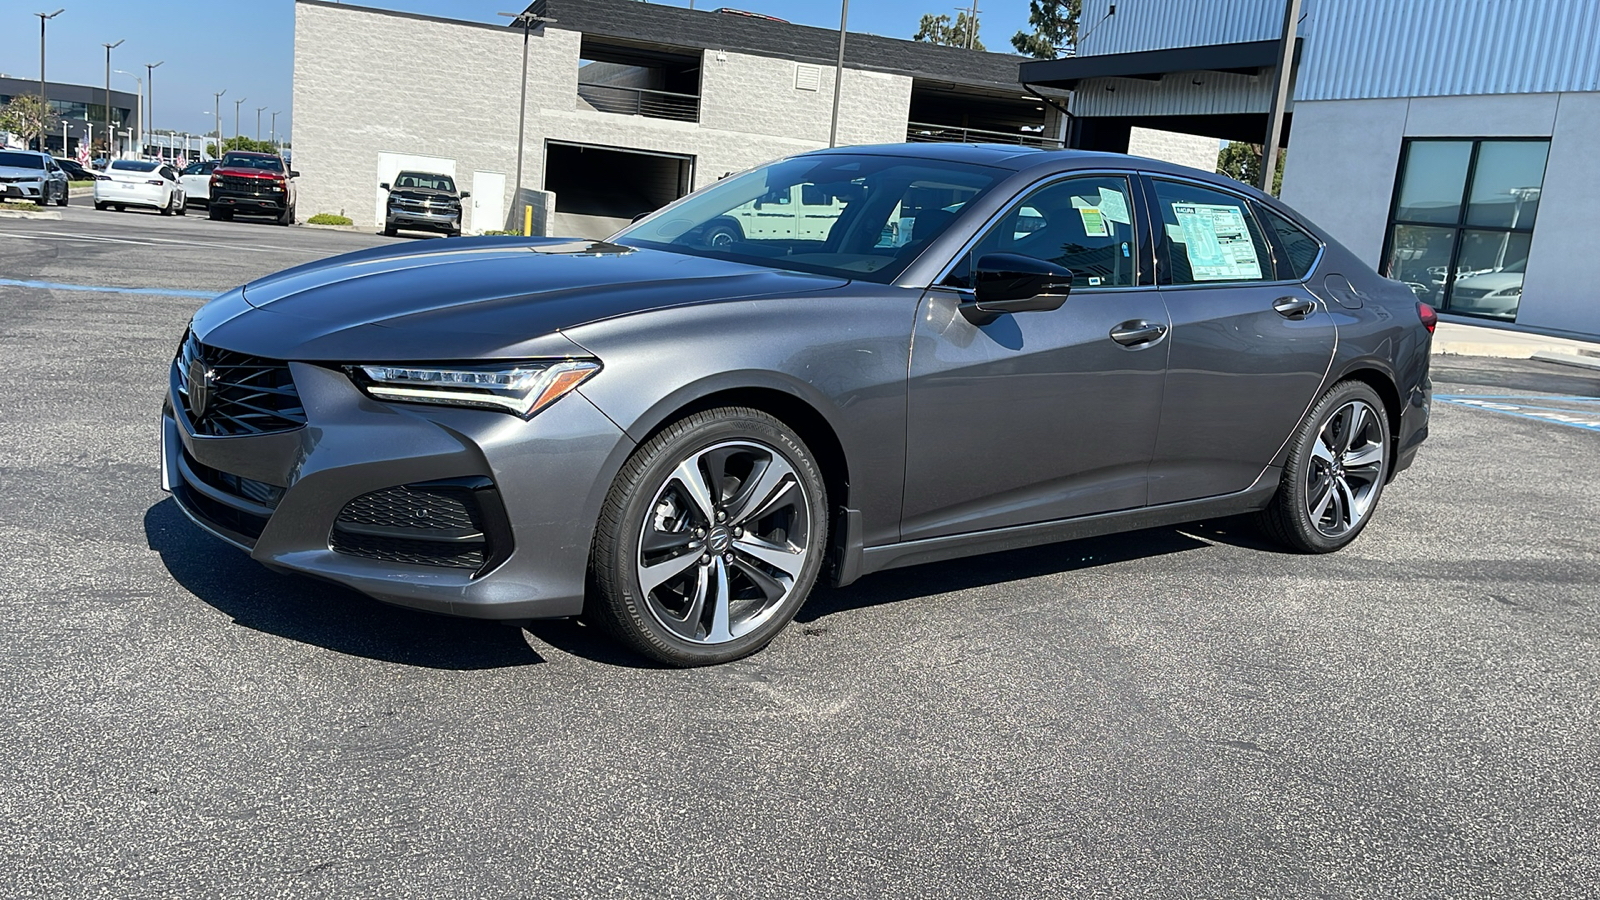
x,y
1562,397
1553,416
103,289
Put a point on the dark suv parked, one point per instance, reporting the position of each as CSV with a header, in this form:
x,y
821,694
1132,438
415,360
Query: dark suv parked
x,y
423,202
256,184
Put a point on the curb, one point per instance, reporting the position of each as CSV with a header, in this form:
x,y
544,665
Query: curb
x,y
335,227
28,214
1567,359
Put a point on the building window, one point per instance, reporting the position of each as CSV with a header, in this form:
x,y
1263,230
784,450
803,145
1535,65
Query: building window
x,y
1462,222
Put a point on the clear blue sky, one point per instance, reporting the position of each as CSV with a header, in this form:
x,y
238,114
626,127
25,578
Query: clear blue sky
x,y
195,67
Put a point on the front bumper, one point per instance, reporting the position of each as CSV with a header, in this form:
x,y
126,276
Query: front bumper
x,y
549,475
22,190
433,221
250,204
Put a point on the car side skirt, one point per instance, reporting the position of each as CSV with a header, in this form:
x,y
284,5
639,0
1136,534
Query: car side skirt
x,y
858,561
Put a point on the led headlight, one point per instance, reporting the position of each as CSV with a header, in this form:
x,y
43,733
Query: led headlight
x,y
522,388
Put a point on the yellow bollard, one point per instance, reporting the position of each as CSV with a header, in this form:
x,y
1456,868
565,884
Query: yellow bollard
x,y
527,221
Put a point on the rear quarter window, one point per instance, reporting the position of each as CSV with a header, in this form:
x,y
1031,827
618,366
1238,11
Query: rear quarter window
x,y
1300,249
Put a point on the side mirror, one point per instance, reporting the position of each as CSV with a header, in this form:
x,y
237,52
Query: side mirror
x,y
465,194
384,186
293,174
1012,283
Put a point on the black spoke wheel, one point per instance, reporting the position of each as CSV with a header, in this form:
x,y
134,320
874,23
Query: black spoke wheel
x,y
710,539
1338,463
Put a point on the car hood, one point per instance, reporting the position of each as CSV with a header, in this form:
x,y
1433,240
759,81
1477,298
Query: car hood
x,y
466,298
423,194
1491,281
15,172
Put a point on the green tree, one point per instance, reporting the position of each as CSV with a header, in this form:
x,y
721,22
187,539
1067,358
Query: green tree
x,y
1242,162
1055,25
241,143
941,30
28,117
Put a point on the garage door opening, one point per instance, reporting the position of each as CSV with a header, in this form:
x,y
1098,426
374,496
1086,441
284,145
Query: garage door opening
x,y
600,189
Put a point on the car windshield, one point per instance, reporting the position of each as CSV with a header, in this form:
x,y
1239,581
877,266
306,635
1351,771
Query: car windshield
x,y
267,163
423,180
862,217
134,165
21,160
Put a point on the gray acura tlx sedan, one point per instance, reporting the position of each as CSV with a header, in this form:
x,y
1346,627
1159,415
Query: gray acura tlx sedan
x,y
841,362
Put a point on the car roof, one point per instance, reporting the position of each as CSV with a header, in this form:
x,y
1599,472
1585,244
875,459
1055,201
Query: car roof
x,y
1019,158
249,153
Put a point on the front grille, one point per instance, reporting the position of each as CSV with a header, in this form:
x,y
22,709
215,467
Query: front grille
x,y
239,184
229,518
454,524
245,395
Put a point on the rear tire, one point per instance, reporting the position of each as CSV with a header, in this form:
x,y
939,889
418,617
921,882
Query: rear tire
x,y
710,540
119,207
100,206
1338,463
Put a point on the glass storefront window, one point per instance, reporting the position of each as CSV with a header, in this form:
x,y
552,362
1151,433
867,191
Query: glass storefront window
x,y
1431,188
1462,222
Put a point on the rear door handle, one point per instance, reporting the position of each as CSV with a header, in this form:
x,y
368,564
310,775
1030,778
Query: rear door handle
x,y
1138,331
1294,307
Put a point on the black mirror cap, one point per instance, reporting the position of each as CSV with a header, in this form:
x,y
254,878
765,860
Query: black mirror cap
x,y
465,194
1011,282
293,174
384,186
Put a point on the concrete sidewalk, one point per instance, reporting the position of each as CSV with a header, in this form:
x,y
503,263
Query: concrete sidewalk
x,y
1462,339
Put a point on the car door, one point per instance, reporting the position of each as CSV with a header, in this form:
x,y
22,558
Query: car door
x,y
1042,415
1248,348
196,180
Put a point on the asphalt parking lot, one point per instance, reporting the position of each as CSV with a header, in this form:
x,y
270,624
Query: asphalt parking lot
x,y
1177,712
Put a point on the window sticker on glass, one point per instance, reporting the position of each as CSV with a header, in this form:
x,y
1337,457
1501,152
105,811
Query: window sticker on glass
x,y
1094,224
1114,206
1217,241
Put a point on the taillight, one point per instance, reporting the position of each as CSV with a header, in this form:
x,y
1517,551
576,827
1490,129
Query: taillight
x,y
1428,316
155,181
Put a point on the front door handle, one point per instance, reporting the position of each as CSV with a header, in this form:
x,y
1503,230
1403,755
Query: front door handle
x,y
1294,307
1137,332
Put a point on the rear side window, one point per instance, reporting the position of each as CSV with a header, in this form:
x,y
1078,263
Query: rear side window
x,y
1300,249
1209,237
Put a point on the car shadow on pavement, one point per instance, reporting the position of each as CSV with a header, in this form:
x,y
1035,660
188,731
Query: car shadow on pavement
x,y
320,614
895,585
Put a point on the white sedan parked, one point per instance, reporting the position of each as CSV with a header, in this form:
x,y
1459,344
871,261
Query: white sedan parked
x,y
196,181
133,182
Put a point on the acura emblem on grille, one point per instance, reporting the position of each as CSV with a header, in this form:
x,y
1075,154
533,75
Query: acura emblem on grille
x,y
200,378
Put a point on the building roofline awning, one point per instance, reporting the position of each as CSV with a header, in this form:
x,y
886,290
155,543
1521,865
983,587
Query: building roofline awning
x,y
1249,58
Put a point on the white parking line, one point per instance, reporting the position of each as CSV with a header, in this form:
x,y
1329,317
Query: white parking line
x,y
85,238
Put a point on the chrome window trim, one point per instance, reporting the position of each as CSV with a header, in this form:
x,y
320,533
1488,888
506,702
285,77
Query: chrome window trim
x,y
1250,203
1045,181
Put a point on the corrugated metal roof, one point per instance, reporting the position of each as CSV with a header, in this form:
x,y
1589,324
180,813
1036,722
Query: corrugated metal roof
x,y
1362,49
1162,24
1426,48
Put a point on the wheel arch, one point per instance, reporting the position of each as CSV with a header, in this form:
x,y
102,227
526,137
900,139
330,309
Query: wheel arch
x,y
1382,381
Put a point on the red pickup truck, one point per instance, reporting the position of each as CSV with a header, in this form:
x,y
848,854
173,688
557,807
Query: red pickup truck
x,y
254,184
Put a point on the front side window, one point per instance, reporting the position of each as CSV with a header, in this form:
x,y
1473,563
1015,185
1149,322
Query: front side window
x,y
1209,237
1462,222
1082,224
849,216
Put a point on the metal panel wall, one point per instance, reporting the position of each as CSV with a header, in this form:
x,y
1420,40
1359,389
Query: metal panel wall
x,y
1217,93
1163,24
1425,48
1367,49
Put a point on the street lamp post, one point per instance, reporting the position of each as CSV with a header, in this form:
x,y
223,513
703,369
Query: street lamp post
x,y
110,137
43,18
527,20
236,105
138,116
150,97
259,110
216,103
275,130
838,73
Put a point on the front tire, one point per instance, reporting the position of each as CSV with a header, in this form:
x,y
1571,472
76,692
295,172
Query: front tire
x,y
710,539
100,206
1338,463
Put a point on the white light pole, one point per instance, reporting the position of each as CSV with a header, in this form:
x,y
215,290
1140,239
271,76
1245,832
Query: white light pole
x,y
275,130
236,105
216,104
138,116
43,18
149,117
110,137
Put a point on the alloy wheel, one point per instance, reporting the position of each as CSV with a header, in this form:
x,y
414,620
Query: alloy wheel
x,y
724,541
1346,470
